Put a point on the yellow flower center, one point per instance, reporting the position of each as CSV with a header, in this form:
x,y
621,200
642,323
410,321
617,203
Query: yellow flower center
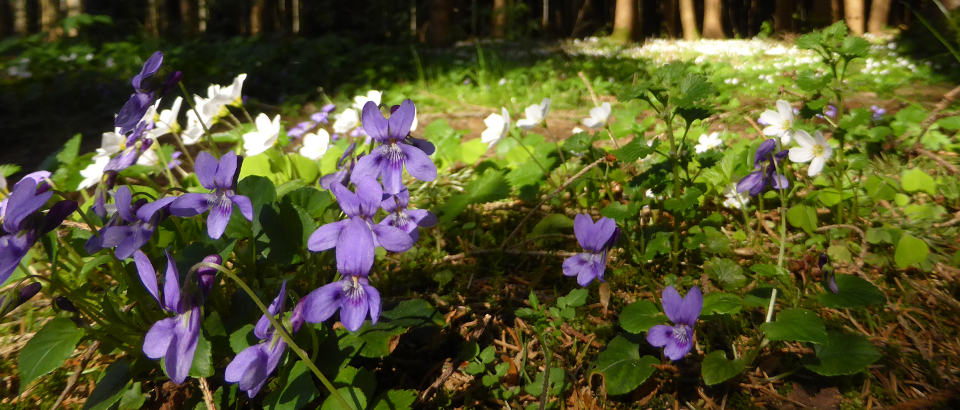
x,y
818,150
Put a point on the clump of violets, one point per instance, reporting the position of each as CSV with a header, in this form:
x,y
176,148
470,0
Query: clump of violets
x,y
221,177
352,296
175,338
677,340
251,368
357,237
23,221
394,154
404,218
596,239
131,226
765,174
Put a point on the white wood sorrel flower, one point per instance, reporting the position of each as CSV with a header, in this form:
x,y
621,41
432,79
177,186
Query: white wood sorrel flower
x,y
814,150
534,115
497,127
598,116
779,123
261,139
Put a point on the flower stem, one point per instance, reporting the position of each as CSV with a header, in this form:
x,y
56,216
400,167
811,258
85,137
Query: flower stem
x,y
675,243
282,331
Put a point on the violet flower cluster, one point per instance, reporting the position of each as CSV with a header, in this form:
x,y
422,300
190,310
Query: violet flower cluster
x,y
317,118
131,226
765,170
596,239
23,220
221,177
395,153
175,338
252,366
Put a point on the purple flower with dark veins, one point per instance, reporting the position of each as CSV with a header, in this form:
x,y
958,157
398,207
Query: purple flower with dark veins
x,y
357,237
352,295
174,338
596,239
251,368
407,220
23,223
344,168
677,340
764,174
221,177
131,227
393,155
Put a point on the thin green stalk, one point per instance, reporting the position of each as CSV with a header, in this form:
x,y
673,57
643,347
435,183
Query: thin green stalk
x,y
206,131
546,372
675,161
281,330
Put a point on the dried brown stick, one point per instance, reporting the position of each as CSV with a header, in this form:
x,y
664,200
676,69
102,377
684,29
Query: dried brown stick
x,y
207,394
559,189
72,381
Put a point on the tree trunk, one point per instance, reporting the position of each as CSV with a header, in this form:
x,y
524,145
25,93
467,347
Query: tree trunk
x,y
879,13
295,17
74,9
499,28
783,16
189,17
713,19
152,21
256,16
49,17
624,21
670,17
441,22
545,17
836,10
853,14
688,20
6,18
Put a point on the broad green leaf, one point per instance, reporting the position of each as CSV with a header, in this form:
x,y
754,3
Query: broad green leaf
x,y
843,354
110,387
718,303
490,186
634,150
915,179
852,292
640,316
242,338
553,223
576,298
800,325
395,400
374,341
727,272
306,168
133,398
618,211
48,349
472,150
803,217
910,251
255,165
299,390
202,359
622,367
555,384
716,368
353,396
829,196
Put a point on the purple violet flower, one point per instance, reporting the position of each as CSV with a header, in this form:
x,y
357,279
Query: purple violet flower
x,y
765,170
174,338
352,295
393,155
596,239
221,177
407,220
344,168
131,227
877,112
7,303
253,365
829,277
677,340
23,223
357,237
